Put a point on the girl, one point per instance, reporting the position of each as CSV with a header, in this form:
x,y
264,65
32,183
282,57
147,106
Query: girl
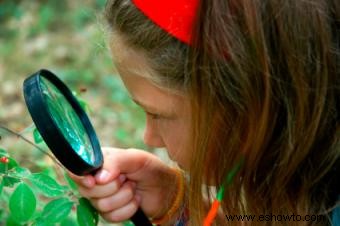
x,y
244,95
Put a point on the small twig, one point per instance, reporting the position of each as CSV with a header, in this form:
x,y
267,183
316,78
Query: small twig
x,y
31,143
27,129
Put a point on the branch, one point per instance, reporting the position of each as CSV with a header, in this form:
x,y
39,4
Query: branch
x,y
31,143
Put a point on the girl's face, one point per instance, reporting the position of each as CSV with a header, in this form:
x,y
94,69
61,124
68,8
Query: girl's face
x,y
167,114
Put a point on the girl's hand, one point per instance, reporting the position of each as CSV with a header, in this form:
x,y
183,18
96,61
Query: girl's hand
x,y
129,179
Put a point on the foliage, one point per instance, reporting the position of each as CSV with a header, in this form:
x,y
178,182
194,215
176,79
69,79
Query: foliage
x,y
39,198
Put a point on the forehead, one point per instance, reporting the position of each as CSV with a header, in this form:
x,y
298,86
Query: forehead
x,y
168,75
136,72
129,59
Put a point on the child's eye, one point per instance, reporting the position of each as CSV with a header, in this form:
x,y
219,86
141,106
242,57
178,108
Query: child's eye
x,y
153,116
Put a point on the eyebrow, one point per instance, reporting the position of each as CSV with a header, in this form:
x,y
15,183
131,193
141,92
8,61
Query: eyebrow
x,y
152,109
145,106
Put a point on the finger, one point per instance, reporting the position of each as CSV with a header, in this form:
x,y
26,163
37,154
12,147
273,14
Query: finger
x,y
100,191
103,176
125,161
87,181
125,194
109,169
123,213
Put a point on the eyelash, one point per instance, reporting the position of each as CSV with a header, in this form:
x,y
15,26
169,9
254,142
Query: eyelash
x,y
153,116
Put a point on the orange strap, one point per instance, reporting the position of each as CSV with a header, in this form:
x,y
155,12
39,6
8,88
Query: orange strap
x,y
177,201
212,213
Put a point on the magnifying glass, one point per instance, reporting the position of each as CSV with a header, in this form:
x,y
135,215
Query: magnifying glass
x,y
65,127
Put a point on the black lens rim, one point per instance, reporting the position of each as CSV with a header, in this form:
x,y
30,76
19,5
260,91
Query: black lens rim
x,y
50,131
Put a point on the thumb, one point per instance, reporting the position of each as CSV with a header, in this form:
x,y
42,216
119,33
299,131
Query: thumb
x,y
104,176
118,162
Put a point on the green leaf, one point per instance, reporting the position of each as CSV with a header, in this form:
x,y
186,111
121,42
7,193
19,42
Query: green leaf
x,y
72,184
40,222
75,93
19,172
22,203
10,181
11,163
11,222
46,169
37,137
7,166
47,185
1,186
3,167
83,104
86,214
56,210
128,223
69,221
2,216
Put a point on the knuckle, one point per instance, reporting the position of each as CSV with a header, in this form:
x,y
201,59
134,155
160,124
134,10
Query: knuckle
x,y
115,186
122,214
135,205
83,192
103,205
129,191
114,217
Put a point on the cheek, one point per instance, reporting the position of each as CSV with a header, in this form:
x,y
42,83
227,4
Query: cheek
x,y
175,135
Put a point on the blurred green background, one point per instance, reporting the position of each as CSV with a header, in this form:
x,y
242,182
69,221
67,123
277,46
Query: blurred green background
x,y
70,39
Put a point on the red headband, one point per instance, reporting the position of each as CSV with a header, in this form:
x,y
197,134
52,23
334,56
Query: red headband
x,y
174,16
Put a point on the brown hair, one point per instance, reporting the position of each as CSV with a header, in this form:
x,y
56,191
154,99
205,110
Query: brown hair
x,y
263,77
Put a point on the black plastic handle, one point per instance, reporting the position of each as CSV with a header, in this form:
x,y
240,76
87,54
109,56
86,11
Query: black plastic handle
x,y
140,219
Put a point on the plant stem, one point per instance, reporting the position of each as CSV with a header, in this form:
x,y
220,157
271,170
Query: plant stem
x,y
31,143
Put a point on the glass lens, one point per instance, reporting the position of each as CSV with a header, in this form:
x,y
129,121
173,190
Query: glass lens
x,y
67,121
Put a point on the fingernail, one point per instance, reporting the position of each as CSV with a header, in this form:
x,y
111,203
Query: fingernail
x,y
138,199
122,178
103,175
87,182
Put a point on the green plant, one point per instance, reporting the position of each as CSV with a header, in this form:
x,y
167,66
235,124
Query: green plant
x,y
37,198
41,198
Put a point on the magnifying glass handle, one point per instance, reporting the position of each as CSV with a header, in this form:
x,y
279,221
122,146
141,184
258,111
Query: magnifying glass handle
x,y
140,219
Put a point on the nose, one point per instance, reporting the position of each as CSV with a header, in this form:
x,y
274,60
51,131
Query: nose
x,y
152,138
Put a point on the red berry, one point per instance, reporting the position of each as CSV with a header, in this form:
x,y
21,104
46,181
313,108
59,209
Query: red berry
x,y
4,159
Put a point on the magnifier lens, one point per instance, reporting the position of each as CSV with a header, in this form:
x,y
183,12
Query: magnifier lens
x,y
65,127
67,121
